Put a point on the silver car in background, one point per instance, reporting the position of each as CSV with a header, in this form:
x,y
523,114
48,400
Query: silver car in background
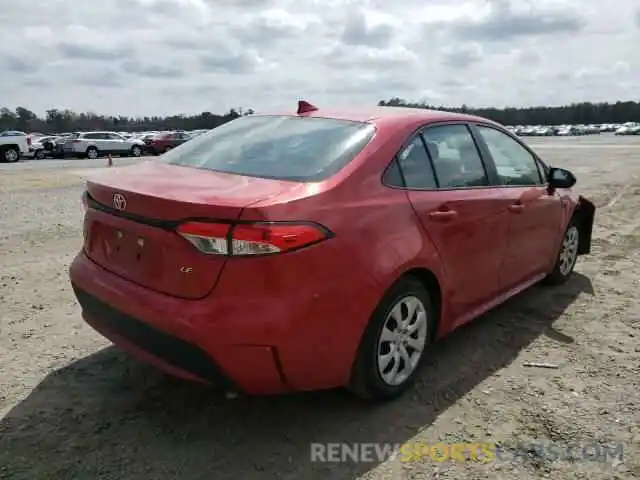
x,y
94,144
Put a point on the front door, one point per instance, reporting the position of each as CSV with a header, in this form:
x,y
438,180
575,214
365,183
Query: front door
x,y
534,214
461,212
117,143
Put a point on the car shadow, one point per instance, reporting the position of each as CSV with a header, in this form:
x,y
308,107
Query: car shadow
x,y
106,416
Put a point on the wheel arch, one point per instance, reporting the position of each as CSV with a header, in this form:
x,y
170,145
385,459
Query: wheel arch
x,y
5,146
433,285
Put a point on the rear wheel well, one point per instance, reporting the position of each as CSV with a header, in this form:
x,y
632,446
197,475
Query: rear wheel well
x,y
583,216
10,146
430,281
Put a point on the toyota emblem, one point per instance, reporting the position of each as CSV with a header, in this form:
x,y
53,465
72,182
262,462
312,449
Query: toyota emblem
x,y
119,202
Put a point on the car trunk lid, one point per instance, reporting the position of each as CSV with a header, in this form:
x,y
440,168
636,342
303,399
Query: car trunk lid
x,y
133,213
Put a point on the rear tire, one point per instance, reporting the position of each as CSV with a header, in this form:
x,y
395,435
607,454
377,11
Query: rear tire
x,y
385,348
92,153
40,154
567,255
10,154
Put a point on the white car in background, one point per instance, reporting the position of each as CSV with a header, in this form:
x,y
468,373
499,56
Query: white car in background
x,y
13,145
94,144
629,128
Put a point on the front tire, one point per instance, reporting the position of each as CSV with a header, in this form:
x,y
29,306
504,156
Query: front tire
x,y
40,154
567,255
136,151
394,342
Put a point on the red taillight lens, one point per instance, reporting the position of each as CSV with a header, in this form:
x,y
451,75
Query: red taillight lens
x,y
252,238
29,140
264,238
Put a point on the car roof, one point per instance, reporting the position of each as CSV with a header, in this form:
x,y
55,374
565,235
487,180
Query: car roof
x,y
399,116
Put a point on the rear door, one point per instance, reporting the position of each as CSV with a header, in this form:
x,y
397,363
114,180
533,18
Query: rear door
x,y
461,210
534,214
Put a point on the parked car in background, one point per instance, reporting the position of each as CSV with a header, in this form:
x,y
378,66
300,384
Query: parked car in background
x,y
56,145
36,148
163,142
629,128
544,132
567,131
13,145
321,249
94,144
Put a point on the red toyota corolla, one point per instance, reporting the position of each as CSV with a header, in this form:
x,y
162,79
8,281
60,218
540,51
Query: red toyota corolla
x,y
321,249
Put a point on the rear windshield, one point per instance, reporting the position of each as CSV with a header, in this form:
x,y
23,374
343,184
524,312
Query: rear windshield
x,y
306,149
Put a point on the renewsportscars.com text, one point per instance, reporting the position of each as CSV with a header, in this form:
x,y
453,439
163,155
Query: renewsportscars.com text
x,y
482,452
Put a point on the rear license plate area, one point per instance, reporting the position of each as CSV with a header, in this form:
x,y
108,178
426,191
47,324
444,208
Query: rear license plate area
x,y
123,250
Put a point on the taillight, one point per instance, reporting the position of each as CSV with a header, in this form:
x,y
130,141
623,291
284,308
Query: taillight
x,y
29,140
259,238
210,238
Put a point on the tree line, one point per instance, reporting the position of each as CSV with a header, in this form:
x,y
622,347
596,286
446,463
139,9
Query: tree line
x,y
57,121
575,114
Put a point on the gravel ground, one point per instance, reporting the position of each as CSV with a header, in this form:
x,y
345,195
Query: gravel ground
x,y
72,407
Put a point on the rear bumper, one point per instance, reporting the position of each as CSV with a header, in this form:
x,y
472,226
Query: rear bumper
x,y
158,330
166,352
260,342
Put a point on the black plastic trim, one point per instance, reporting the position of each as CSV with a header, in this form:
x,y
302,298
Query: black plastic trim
x,y
175,351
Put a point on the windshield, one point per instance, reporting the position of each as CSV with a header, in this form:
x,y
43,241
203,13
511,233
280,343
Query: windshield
x,y
282,147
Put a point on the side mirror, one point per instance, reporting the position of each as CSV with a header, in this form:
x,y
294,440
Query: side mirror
x,y
561,178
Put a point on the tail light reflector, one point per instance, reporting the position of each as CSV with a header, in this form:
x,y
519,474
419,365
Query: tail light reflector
x,y
259,238
29,140
209,238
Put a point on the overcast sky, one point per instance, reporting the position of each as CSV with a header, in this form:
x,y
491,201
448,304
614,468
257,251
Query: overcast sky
x,y
145,57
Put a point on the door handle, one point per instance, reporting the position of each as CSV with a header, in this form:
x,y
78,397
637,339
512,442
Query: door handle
x,y
516,207
443,215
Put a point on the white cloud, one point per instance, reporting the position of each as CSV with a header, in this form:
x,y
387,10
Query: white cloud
x,y
179,56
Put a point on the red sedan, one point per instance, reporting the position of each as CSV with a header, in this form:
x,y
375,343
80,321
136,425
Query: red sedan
x,y
321,249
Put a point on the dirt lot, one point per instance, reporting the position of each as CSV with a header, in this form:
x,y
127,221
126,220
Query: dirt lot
x,y
72,407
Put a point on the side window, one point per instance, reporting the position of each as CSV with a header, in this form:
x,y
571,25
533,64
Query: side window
x,y
91,136
392,175
455,157
514,163
415,166
114,136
